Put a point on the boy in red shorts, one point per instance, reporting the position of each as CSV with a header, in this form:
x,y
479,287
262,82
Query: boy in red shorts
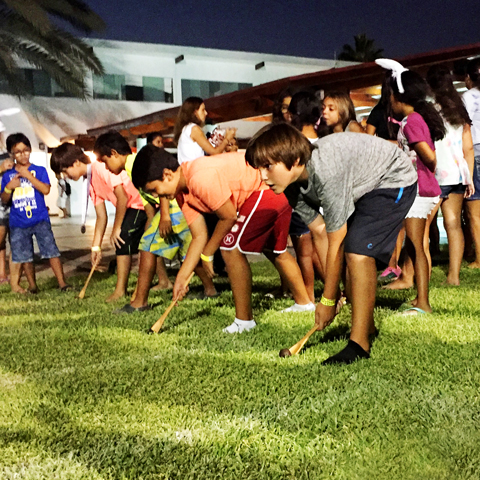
x,y
251,219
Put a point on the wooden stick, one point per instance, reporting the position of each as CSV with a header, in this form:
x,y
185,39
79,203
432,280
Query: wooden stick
x,y
84,289
299,345
155,328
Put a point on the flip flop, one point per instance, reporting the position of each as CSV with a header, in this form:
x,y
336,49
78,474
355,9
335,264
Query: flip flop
x,y
413,311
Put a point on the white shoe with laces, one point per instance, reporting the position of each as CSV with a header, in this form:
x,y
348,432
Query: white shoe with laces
x,y
239,326
295,308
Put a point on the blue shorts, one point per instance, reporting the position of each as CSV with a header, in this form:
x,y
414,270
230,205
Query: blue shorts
x,y
448,189
370,230
476,179
297,226
21,242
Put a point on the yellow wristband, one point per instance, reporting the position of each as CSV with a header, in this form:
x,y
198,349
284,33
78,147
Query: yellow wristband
x,y
327,302
7,190
205,258
96,249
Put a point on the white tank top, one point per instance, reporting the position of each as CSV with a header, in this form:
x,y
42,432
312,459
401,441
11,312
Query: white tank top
x,y
188,150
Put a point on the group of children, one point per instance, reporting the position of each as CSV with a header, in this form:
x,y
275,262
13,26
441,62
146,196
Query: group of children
x,y
339,187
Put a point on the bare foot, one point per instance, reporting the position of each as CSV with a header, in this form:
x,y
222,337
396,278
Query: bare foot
x,y
19,289
114,297
452,281
474,265
398,284
162,286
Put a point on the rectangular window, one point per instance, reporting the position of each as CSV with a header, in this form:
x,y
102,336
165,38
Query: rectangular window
x,y
108,86
156,89
207,89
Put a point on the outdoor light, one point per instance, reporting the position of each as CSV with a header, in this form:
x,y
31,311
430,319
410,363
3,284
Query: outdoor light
x,y
7,112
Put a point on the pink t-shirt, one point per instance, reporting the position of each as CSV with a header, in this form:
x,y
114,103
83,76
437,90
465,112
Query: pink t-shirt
x,y
413,129
104,182
211,181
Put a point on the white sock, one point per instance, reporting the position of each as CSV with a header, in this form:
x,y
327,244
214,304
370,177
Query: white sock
x,y
239,326
309,307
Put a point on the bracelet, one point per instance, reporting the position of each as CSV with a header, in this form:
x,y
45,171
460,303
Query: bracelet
x,y
327,302
7,190
205,258
97,248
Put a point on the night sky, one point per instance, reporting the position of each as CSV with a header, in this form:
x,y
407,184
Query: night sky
x,y
310,28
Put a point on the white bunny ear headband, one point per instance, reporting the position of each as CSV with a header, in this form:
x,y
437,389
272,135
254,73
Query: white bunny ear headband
x,y
396,68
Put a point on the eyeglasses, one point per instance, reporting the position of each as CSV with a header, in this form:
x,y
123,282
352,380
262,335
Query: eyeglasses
x,y
21,152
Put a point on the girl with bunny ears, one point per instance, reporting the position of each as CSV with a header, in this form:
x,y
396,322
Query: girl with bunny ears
x,y
421,126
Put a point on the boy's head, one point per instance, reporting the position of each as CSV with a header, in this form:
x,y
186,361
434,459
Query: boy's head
x,y
280,152
155,138
155,171
70,160
112,149
19,147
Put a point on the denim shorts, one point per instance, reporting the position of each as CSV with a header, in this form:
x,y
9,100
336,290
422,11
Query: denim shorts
x,y
476,179
448,189
21,242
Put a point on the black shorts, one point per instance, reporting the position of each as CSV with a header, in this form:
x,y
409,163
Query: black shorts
x,y
133,226
297,226
373,227
448,189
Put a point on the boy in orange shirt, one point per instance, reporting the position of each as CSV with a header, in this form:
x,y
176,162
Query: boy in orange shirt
x,y
130,216
225,184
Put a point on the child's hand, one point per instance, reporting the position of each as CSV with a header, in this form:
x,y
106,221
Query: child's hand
x,y
208,267
165,227
180,289
230,134
115,238
470,190
96,257
23,171
6,165
13,183
324,316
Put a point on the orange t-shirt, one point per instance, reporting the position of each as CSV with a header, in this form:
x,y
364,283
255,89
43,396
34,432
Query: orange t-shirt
x,y
103,183
211,181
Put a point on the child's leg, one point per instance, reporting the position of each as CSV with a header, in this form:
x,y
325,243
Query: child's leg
x,y
452,219
361,286
415,229
290,271
57,268
304,249
146,271
124,262
432,216
15,272
3,253
240,277
164,282
473,210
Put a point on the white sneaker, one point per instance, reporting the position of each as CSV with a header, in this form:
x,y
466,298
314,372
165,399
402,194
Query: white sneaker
x,y
309,307
239,326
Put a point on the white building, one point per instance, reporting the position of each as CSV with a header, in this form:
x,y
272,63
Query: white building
x,y
139,79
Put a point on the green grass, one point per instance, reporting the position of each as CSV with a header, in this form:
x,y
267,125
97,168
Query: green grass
x,y
86,394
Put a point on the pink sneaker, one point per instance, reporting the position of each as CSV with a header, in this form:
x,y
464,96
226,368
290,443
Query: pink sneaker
x,y
389,274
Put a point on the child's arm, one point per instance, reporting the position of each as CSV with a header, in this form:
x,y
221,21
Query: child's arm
x,y
325,314
99,232
9,188
165,224
468,154
122,202
354,126
426,155
227,215
199,233
23,171
198,136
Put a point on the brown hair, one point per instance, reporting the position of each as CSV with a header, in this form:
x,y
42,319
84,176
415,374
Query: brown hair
x,y
346,109
65,156
186,115
278,143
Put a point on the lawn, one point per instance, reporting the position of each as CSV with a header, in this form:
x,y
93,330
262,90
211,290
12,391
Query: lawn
x,y
86,394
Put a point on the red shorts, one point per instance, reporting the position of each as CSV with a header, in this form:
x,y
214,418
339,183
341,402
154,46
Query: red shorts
x,y
262,224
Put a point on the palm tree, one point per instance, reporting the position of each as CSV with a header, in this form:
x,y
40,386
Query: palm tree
x,y
364,51
27,33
